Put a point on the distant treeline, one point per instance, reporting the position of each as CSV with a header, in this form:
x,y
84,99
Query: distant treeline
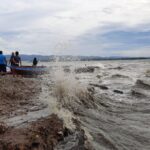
x,y
74,58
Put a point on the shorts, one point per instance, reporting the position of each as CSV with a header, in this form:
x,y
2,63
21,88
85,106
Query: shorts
x,y
2,68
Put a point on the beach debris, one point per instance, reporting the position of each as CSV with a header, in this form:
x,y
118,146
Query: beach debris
x,y
117,68
99,76
3,127
119,76
103,87
118,91
88,69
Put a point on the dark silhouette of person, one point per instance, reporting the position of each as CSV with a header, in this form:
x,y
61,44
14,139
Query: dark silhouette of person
x,y
35,62
17,59
11,60
3,62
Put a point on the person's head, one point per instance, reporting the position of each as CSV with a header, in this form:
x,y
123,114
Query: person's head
x,y
12,53
17,53
1,52
35,58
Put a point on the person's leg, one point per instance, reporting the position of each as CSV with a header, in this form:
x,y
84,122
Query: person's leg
x,y
13,70
1,68
4,68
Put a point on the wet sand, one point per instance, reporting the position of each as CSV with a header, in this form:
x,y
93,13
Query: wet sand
x,y
26,123
42,134
17,95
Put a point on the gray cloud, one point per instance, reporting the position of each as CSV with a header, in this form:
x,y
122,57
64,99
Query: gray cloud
x,y
69,26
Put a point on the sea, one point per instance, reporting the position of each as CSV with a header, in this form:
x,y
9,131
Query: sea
x,y
109,99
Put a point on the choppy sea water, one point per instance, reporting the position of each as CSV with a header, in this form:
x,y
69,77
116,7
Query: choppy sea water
x,y
110,99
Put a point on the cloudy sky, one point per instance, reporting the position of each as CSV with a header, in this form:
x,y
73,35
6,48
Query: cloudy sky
x,y
76,27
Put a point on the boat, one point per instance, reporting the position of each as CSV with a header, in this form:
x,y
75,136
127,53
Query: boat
x,y
29,70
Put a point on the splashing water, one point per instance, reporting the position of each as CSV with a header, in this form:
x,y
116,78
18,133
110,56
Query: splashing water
x,y
101,102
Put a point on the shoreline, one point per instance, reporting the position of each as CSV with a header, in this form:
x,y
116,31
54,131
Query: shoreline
x,y
25,121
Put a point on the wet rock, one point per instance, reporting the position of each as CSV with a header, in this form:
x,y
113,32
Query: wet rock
x,y
103,87
91,90
119,76
75,141
61,135
99,76
89,69
66,132
3,128
117,68
103,104
138,93
147,74
66,69
143,84
118,91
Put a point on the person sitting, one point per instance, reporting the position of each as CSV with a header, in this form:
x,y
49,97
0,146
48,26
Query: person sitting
x,y
3,62
35,62
17,59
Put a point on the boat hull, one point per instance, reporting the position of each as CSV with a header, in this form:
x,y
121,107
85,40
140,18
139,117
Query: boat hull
x,y
29,70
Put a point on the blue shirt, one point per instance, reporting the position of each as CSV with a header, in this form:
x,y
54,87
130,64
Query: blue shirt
x,y
2,59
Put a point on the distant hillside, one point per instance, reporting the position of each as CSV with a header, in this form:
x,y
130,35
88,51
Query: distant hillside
x,y
74,58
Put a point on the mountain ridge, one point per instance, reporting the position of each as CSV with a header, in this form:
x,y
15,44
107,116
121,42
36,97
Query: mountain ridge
x,y
25,57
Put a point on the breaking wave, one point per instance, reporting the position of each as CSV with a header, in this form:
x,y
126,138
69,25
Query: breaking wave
x,y
111,120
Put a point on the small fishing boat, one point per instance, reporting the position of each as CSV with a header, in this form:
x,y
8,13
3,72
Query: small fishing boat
x,y
29,70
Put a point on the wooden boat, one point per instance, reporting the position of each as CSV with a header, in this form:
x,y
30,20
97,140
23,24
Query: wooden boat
x,y
29,70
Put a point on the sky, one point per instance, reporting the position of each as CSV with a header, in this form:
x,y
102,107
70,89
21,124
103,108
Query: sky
x,y
76,27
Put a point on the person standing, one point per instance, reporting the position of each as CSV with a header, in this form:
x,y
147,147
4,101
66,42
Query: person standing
x,y
11,60
17,59
3,62
35,62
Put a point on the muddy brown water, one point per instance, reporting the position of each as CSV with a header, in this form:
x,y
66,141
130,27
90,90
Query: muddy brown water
x,y
118,116
111,103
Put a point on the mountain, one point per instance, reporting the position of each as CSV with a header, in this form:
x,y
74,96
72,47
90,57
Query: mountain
x,y
74,58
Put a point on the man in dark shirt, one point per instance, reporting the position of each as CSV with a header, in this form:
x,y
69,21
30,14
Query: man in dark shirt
x,y
35,62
